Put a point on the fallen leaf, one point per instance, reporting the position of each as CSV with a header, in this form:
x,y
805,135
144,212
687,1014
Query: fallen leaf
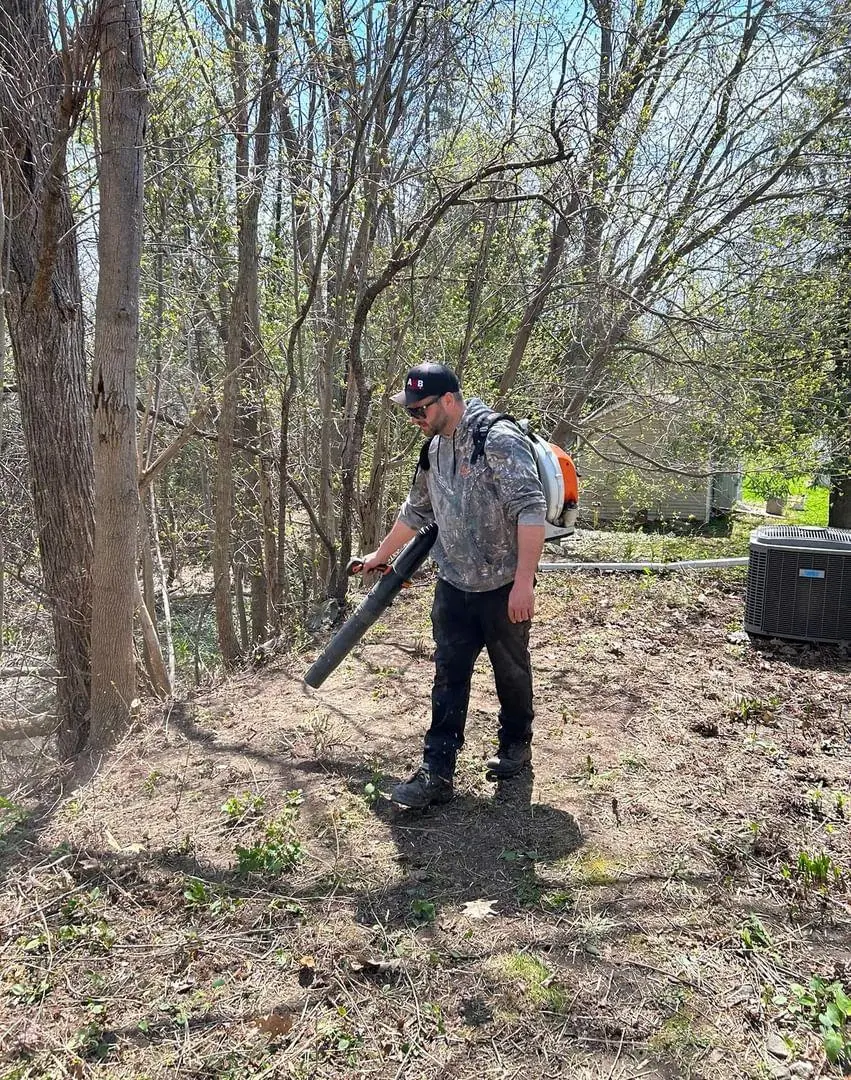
x,y
133,849
479,909
375,965
110,839
276,1023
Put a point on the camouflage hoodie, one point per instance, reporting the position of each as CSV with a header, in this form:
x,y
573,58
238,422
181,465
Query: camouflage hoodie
x,y
477,507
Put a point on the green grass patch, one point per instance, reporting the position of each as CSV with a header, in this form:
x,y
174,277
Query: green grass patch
x,y
531,976
680,1037
592,867
815,501
667,541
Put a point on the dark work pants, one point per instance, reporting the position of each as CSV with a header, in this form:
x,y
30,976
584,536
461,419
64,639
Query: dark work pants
x,y
463,624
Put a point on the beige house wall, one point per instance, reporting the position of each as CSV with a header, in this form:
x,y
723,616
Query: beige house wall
x,y
612,489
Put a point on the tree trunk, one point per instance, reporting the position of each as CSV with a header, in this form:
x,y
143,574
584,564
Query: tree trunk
x,y
270,557
45,323
147,559
244,342
223,513
839,515
840,503
164,585
2,399
475,287
533,311
154,663
122,121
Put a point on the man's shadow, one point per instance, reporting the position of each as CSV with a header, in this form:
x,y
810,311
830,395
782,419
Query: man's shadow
x,y
476,847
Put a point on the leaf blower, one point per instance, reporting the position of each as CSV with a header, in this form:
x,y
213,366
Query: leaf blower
x,y
380,596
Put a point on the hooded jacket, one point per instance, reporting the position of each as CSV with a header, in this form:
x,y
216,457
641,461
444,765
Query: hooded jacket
x,y
478,506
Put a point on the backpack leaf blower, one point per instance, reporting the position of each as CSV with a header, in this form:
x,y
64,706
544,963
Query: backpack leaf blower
x,y
380,596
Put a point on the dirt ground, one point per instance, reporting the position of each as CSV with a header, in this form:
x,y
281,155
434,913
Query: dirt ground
x,y
651,901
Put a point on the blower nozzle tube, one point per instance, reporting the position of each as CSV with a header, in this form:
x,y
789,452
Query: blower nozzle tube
x,y
380,597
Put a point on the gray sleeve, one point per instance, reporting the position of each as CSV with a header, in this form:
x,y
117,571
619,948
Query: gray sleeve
x,y
416,510
515,474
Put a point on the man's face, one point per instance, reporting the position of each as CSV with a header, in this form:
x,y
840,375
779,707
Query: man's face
x,y
429,415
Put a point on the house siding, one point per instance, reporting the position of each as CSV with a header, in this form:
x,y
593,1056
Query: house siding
x,y
611,490
601,497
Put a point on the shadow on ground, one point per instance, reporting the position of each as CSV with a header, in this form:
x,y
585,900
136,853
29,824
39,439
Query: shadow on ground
x,y
803,654
476,847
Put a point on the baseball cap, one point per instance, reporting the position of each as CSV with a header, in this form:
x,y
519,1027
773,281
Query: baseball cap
x,y
427,380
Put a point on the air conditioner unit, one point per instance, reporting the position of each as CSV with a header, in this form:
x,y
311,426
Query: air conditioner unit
x,y
799,583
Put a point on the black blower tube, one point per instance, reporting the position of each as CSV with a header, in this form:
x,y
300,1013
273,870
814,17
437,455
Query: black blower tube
x,y
379,597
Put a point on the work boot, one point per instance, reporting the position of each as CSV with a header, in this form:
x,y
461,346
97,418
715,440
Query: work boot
x,y
424,788
509,760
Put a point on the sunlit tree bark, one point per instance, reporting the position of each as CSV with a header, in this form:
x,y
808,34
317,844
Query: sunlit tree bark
x,y
122,131
42,90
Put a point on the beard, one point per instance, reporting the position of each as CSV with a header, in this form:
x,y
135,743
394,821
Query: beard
x,y
436,426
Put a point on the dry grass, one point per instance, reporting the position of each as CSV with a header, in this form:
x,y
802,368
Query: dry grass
x,y
646,907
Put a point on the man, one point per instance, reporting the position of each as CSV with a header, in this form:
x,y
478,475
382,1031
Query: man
x,y
490,510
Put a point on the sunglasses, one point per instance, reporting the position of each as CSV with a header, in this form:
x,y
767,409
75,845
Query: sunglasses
x,y
418,412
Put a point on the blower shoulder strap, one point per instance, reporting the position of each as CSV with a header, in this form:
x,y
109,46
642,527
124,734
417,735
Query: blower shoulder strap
x,y
480,435
423,461
481,430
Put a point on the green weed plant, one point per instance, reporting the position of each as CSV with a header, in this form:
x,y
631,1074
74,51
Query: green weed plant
x,y
278,850
826,1008
241,808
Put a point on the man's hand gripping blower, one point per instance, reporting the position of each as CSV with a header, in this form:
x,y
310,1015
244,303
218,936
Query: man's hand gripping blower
x,y
380,596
